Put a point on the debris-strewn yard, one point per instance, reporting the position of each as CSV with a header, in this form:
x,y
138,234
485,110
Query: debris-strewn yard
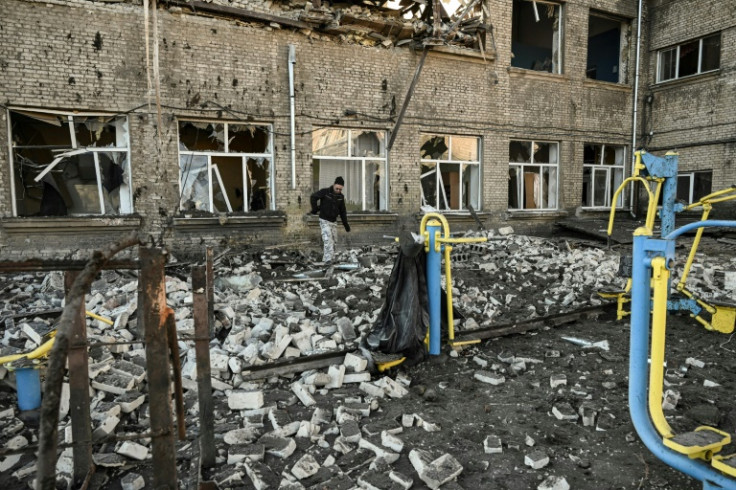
x,y
532,410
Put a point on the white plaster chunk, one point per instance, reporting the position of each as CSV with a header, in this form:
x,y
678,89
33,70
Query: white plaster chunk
x,y
356,378
389,456
536,460
354,363
132,481
305,467
434,472
372,390
554,482
564,411
402,480
304,396
557,380
489,378
245,400
391,441
337,375
133,450
492,445
238,437
391,387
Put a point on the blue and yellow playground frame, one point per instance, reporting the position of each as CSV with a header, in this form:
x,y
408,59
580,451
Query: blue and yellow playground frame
x,y
693,453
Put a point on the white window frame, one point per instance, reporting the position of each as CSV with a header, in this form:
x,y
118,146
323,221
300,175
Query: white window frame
x,y
362,161
691,178
441,197
532,163
607,169
661,53
212,169
126,195
556,65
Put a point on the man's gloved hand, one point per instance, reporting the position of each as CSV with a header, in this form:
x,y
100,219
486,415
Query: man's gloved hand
x,y
314,211
347,227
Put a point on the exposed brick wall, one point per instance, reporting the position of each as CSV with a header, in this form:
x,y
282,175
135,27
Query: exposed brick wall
x,y
90,56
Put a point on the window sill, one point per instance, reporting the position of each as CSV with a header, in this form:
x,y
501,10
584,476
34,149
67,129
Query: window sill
x,y
528,214
702,77
621,87
204,223
361,218
70,225
515,72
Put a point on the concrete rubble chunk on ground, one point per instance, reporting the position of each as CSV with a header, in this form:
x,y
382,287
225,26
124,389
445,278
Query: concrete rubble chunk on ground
x,y
434,472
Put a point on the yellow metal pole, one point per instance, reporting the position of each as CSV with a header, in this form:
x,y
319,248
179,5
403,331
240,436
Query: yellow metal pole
x,y
660,281
100,318
652,208
693,250
448,286
621,187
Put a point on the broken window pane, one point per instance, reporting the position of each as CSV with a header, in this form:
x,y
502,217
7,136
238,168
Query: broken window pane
x,y
604,49
194,182
55,175
259,183
236,182
366,184
693,186
202,136
330,142
434,147
100,131
367,144
248,139
603,172
533,186
457,184
535,36
429,183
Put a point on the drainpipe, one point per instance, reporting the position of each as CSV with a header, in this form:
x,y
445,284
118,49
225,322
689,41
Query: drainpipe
x,y
292,62
636,105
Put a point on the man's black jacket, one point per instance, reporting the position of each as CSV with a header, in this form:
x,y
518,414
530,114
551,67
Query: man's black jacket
x,y
330,204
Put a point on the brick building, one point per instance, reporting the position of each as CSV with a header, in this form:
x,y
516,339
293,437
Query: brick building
x,y
177,120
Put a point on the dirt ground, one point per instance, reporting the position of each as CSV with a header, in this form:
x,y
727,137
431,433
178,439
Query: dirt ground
x,y
463,411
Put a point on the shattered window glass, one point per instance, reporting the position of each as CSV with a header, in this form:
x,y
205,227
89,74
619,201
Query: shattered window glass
x,y
364,170
603,173
536,41
533,175
225,167
70,164
693,186
450,172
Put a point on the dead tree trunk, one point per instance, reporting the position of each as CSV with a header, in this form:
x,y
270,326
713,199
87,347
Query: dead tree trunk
x,y
48,432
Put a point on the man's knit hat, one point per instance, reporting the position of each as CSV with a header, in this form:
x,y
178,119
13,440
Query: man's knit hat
x,y
340,181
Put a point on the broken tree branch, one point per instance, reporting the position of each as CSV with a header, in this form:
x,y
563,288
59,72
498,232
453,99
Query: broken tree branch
x,y
48,431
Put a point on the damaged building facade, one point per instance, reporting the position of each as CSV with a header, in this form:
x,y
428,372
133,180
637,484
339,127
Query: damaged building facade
x,y
212,122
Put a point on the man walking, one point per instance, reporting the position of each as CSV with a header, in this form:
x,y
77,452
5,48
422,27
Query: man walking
x,y
329,203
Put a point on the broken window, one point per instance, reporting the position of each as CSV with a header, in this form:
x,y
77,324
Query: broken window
x,y
359,157
450,172
225,167
607,48
69,164
693,186
690,58
603,172
533,171
536,36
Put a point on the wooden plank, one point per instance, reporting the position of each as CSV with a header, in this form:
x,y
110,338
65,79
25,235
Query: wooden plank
x,y
294,365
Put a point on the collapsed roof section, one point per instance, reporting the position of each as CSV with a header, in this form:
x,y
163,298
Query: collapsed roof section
x,y
386,23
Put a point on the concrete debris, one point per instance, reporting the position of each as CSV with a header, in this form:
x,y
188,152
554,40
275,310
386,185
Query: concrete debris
x,y
536,460
670,399
489,377
492,445
553,482
434,472
564,411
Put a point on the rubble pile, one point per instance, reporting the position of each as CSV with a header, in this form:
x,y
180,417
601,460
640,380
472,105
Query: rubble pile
x,y
336,424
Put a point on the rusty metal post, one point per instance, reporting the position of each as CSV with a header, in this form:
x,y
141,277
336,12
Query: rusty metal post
x,y
210,291
201,303
79,390
154,312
